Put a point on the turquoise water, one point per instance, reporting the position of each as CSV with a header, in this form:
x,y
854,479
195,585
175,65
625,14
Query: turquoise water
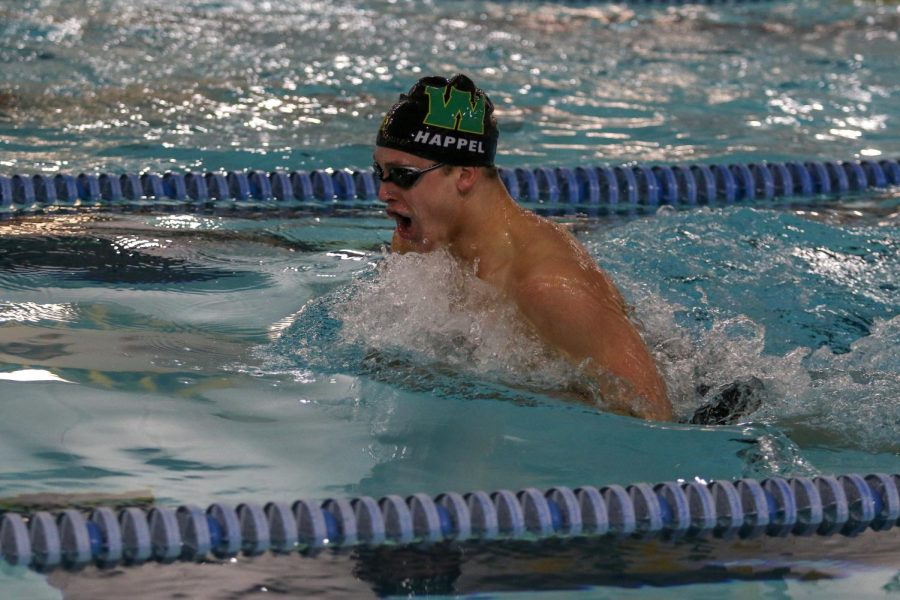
x,y
208,357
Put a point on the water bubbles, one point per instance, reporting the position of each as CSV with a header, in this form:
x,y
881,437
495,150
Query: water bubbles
x,y
855,394
803,305
421,322
429,306
773,454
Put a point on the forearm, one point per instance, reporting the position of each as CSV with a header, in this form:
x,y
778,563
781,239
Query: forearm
x,y
622,396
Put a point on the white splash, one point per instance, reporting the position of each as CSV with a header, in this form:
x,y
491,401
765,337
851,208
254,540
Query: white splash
x,y
853,396
428,305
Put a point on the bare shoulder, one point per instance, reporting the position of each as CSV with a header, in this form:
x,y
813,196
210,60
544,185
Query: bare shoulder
x,y
538,239
576,308
551,262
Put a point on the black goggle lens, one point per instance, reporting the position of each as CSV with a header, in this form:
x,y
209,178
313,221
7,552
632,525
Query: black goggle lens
x,y
402,177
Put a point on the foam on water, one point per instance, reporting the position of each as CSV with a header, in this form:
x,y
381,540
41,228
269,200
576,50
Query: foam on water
x,y
728,294
428,305
423,323
855,395
705,306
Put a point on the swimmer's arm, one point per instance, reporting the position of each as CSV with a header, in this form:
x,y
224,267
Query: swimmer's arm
x,y
590,324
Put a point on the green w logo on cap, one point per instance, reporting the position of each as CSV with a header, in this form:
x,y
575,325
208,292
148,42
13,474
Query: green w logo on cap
x,y
457,112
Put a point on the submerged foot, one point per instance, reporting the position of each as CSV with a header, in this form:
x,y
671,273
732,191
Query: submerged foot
x,y
731,403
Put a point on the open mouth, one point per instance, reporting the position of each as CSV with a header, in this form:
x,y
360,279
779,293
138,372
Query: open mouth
x,y
404,223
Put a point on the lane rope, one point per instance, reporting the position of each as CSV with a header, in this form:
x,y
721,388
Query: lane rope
x,y
583,189
746,508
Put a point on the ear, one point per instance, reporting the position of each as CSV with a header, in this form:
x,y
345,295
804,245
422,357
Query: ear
x,y
467,178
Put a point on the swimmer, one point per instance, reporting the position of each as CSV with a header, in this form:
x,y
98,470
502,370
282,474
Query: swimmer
x,y
434,156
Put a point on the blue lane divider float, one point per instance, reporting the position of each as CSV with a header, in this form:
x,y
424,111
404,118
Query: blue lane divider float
x,y
746,508
565,190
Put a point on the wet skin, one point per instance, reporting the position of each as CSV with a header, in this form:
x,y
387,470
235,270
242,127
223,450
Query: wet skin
x,y
556,285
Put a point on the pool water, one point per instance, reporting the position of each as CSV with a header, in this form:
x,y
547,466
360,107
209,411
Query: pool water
x,y
209,357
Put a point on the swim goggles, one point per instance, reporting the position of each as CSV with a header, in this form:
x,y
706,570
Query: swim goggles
x,y
402,177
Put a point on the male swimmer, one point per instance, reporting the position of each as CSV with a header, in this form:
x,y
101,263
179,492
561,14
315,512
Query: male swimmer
x,y
434,156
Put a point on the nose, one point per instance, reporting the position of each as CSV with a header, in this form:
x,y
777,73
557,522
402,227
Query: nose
x,y
384,192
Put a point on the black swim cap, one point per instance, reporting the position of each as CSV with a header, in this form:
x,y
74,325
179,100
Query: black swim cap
x,y
450,121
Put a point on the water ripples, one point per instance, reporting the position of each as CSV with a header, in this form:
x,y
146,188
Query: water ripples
x,y
805,304
123,261
236,85
171,307
33,312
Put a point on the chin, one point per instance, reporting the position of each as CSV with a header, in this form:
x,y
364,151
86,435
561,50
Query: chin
x,y
420,245
423,246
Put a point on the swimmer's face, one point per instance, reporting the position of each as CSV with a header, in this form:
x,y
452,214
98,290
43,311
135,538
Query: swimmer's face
x,y
425,212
